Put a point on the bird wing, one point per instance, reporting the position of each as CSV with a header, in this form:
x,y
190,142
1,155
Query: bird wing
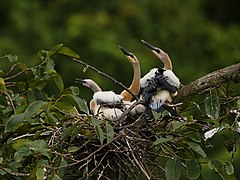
x,y
144,80
107,98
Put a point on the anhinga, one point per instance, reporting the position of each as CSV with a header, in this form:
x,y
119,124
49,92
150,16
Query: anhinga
x,y
101,101
159,85
135,86
108,102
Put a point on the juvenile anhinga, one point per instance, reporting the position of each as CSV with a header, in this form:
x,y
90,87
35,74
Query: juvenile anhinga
x,y
107,102
135,86
102,98
159,85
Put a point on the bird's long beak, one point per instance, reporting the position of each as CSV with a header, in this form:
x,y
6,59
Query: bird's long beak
x,y
81,81
149,45
125,51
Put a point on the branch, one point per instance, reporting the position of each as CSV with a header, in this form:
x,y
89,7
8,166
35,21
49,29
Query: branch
x,y
106,76
210,81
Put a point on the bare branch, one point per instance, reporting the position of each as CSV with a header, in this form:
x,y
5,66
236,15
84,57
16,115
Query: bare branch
x,y
210,81
106,76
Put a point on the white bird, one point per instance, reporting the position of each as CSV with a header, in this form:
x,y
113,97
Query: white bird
x,y
110,105
102,100
159,85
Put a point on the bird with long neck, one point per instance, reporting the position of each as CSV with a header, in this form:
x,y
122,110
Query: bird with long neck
x,y
160,84
135,85
100,97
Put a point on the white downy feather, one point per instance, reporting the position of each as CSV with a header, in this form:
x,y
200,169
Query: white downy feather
x,y
171,78
149,75
138,109
107,97
112,114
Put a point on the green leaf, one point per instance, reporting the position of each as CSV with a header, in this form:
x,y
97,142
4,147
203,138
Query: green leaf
x,y
229,168
14,119
56,177
2,172
68,52
177,125
59,82
32,109
162,140
212,105
12,58
80,103
99,133
19,143
68,131
173,169
23,151
215,165
72,149
49,66
194,136
197,148
95,121
54,50
62,170
109,132
193,169
39,146
74,90
2,84
40,174
238,103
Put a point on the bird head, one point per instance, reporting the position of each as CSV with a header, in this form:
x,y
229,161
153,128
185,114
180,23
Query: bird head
x,y
89,83
130,56
163,56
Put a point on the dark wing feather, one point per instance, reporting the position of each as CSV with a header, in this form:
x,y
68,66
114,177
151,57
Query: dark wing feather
x,y
158,82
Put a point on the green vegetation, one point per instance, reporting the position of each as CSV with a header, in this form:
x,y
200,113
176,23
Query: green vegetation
x,y
46,129
54,136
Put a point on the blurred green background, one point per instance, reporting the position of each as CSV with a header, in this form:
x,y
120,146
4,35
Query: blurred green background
x,y
200,36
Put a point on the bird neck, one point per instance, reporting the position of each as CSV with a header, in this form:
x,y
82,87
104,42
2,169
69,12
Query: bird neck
x,y
167,62
95,88
135,86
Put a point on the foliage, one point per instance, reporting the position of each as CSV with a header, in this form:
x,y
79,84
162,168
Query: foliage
x,y
52,134
198,35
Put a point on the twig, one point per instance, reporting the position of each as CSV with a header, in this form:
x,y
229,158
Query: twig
x,y
9,99
138,163
89,156
106,76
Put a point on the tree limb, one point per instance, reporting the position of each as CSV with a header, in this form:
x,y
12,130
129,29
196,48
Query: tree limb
x,y
209,81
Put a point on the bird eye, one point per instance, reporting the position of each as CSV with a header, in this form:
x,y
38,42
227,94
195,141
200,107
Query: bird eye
x,y
131,56
157,50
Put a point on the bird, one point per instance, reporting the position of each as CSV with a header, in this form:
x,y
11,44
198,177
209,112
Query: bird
x,y
104,103
111,104
159,85
138,109
135,86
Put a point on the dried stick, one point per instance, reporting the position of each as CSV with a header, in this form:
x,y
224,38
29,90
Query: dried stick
x,y
106,76
209,81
